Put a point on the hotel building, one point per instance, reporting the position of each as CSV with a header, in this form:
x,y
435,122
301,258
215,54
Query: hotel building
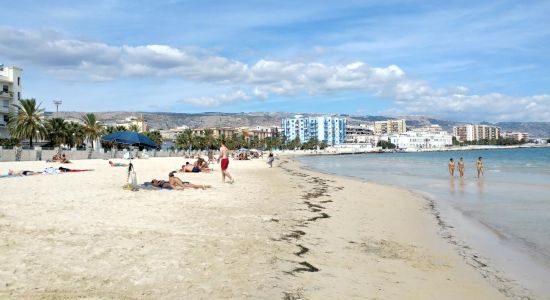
x,y
328,129
10,93
390,127
476,132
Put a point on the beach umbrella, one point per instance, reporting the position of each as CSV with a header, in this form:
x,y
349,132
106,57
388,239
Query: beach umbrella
x,y
130,138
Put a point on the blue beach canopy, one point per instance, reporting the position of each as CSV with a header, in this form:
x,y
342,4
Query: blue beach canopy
x,y
129,138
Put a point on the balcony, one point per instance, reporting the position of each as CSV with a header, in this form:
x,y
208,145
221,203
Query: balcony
x,y
6,94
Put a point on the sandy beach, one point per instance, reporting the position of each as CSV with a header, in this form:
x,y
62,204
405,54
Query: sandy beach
x,y
277,233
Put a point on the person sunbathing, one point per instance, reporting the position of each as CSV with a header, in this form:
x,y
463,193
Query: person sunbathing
x,y
161,184
189,168
112,164
178,184
60,158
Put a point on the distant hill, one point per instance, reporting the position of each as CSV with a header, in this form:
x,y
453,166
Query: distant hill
x,y
163,120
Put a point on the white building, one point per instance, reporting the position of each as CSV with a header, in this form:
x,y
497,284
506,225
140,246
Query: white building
x,y
10,93
419,140
328,129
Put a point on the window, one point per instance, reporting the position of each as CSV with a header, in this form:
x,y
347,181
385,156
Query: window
x,y
18,80
6,118
5,88
18,95
5,104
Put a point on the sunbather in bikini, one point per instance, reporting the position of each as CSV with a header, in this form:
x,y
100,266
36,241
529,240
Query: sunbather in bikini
x,y
178,184
117,164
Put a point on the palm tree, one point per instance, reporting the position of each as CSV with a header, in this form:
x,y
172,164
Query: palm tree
x,y
209,138
155,137
120,128
75,134
184,140
26,120
57,131
133,127
109,129
92,127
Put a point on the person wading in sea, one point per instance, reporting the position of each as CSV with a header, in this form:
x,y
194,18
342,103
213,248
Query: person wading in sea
x,y
479,165
451,167
461,167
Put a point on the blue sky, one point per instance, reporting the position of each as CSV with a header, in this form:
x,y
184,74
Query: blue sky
x,y
458,60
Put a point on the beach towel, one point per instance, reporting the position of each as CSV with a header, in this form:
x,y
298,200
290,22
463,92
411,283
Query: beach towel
x,y
149,186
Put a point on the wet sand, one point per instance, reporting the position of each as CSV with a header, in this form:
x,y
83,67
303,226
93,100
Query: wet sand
x,y
280,233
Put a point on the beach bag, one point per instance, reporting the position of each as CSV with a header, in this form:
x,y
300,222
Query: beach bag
x,y
131,181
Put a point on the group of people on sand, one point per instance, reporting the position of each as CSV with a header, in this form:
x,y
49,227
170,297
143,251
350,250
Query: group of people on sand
x,y
60,158
46,171
200,165
460,167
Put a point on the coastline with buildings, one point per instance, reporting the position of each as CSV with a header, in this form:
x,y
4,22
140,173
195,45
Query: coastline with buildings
x,y
288,136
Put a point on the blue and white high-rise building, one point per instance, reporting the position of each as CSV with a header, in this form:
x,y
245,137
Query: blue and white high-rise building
x,y
328,129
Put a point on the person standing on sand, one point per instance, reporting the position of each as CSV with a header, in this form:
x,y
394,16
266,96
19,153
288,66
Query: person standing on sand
x,y
461,167
224,157
479,165
270,159
451,167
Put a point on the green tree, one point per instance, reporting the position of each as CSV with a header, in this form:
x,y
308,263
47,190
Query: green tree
x,y
92,127
295,143
109,129
184,140
456,142
209,138
57,131
311,144
155,137
386,145
120,128
75,134
133,127
26,121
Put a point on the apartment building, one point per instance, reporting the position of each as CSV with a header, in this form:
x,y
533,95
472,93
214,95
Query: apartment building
x,y
328,129
476,132
390,127
10,93
517,136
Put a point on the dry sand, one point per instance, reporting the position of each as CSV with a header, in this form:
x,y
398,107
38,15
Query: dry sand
x,y
280,233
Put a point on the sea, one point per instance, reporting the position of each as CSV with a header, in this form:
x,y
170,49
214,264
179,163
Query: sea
x,y
503,215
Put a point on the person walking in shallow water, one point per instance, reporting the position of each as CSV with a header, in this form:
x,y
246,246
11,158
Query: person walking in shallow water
x,y
451,167
461,167
479,166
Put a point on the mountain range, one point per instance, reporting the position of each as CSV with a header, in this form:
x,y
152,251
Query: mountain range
x,y
165,120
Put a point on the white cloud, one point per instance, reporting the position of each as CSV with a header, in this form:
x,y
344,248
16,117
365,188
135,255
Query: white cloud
x,y
235,97
68,58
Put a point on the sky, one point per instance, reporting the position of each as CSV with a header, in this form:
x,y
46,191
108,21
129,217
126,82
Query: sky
x,y
456,60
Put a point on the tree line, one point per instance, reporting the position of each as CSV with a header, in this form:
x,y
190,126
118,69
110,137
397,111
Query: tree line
x,y
26,122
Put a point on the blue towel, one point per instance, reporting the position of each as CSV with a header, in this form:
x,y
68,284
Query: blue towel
x,y
148,185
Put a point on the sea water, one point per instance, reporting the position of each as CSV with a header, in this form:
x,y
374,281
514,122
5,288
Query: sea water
x,y
510,204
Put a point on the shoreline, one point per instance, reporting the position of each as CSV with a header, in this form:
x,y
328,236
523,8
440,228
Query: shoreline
x,y
448,220
285,233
